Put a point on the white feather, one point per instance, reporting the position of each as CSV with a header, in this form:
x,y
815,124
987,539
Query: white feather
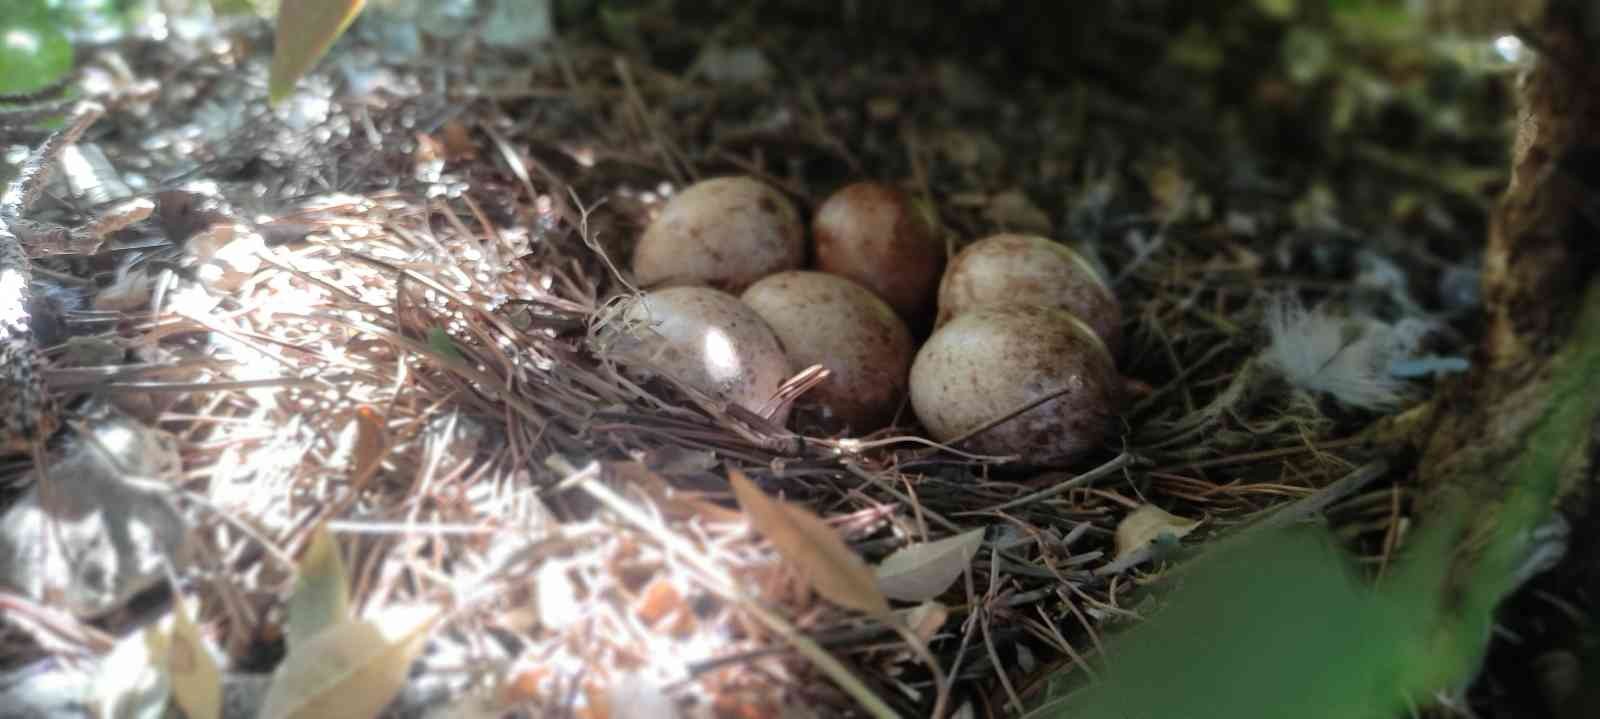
x,y
1348,358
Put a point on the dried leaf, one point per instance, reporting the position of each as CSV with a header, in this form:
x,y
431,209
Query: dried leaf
x,y
352,669
428,150
458,142
1149,523
1170,190
321,597
925,619
557,598
128,292
810,544
1014,211
109,533
661,599
674,460
919,572
192,668
372,440
129,681
733,66
669,500
306,29
636,696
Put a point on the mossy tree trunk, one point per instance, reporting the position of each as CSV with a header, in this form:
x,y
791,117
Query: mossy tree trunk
x,y
1509,447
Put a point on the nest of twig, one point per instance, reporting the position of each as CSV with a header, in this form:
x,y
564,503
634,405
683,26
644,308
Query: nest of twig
x,y
407,358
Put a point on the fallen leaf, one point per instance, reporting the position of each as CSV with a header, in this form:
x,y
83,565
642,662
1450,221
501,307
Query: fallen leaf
x,y
810,544
321,597
1150,523
883,108
1014,211
557,597
660,600
129,681
128,292
458,143
372,439
428,150
305,30
351,669
733,66
1170,191
111,525
671,459
673,502
192,668
925,619
636,696
919,572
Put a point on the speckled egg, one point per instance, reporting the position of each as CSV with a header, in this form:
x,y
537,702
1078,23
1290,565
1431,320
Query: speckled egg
x,y
835,322
987,363
1015,269
725,232
705,338
871,233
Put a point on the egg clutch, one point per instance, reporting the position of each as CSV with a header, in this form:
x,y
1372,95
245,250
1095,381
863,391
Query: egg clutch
x,y
1022,330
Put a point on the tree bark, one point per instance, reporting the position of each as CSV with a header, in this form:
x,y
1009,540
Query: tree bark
x,y
1541,254
1508,451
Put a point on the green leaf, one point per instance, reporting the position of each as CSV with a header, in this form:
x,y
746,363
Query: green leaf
x,y
1271,623
1278,9
321,597
33,53
440,341
235,8
306,29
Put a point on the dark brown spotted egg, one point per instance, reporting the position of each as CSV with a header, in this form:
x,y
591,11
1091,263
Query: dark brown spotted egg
x,y
872,233
1013,269
725,232
986,363
835,322
704,338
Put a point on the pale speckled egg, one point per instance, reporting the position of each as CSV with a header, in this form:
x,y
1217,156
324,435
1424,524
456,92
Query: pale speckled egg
x,y
1016,269
706,339
991,361
725,232
870,232
835,322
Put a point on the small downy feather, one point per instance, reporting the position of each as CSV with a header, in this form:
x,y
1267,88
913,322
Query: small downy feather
x,y
1348,358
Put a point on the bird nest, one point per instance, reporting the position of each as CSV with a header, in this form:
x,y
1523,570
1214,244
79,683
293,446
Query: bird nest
x,y
369,313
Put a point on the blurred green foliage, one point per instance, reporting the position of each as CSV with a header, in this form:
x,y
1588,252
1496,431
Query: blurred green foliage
x,y
34,50
1268,624
305,31
37,36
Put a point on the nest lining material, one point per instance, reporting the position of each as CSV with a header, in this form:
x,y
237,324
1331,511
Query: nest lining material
x,y
412,369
